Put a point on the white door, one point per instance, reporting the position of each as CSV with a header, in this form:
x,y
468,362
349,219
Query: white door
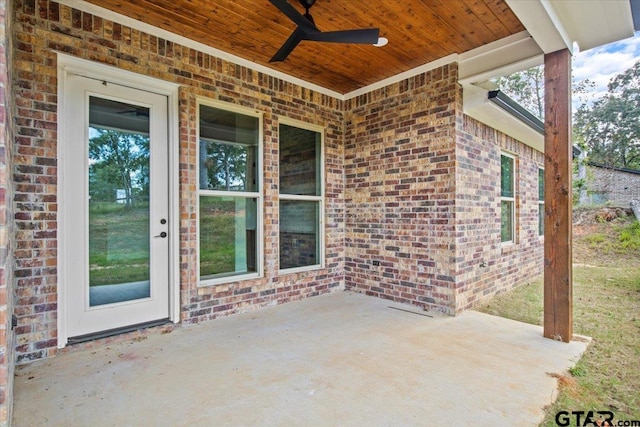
x,y
116,185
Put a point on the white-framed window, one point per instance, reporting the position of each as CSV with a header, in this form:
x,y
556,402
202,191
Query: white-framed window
x,y
540,202
507,198
301,206
229,193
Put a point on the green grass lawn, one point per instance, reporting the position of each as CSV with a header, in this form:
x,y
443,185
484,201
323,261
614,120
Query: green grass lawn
x,y
606,284
217,236
119,242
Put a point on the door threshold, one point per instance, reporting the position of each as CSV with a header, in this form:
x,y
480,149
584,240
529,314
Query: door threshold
x,y
116,331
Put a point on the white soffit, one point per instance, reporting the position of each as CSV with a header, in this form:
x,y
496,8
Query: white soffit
x,y
543,23
477,105
500,58
557,24
596,23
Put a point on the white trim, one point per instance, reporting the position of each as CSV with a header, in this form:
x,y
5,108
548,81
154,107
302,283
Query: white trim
x,y
505,70
318,199
68,65
257,195
476,104
62,242
302,125
299,197
541,203
99,71
306,268
503,57
402,76
542,22
512,199
230,193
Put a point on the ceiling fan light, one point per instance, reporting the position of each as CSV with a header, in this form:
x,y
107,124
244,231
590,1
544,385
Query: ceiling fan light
x,y
382,41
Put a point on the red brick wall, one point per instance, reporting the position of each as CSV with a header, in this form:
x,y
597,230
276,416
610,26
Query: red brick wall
x,y
402,165
400,197
60,28
484,266
423,198
6,194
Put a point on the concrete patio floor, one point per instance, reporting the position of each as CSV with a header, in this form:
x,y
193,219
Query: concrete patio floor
x,y
341,359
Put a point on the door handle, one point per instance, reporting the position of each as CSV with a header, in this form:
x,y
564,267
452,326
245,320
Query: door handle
x,y
162,235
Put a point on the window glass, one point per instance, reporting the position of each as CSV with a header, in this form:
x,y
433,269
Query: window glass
x,y
227,236
228,150
301,201
541,184
506,222
507,199
299,242
506,176
229,194
299,161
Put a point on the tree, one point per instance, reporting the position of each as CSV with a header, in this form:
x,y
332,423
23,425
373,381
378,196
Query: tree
x,y
119,160
609,127
527,88
223,165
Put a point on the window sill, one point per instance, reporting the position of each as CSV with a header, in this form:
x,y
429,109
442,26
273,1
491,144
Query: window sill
x,y
508,247
228,279
301,269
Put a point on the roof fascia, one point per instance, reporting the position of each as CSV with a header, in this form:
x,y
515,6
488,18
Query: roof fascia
x,y
503,57
601,166
539,17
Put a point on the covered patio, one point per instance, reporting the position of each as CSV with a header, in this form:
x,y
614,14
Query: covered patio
x,y
368,194
341,358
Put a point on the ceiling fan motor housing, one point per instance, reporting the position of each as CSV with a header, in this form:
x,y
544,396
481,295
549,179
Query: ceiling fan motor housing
x,y
307,3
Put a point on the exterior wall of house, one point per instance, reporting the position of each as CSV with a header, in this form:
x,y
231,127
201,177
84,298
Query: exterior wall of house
x,y
6,230
412,186
613,186
43,28
485,267
423,198
400,190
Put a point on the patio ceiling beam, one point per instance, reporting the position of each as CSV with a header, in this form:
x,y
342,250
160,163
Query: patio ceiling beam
x,y
558,281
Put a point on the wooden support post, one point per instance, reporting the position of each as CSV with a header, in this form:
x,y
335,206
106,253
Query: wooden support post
x,y
558,286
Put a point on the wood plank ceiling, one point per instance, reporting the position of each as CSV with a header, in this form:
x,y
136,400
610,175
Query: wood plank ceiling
x,y
419,32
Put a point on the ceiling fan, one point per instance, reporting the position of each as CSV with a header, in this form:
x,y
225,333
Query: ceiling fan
x,y
307,30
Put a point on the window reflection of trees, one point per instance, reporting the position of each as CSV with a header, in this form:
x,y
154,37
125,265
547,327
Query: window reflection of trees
x,y
118,161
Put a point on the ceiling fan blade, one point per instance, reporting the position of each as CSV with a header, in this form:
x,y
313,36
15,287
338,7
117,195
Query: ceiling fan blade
x,y
363,36
293,14
293,40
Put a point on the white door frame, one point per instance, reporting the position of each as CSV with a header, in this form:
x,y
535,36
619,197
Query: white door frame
x,y
68,65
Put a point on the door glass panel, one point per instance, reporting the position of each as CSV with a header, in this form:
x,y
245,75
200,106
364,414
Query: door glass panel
x,y
118,202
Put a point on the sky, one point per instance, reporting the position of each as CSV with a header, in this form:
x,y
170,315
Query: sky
x,y
602,64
